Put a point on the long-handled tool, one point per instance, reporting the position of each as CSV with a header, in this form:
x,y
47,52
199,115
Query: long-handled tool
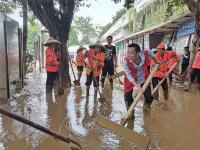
x,y
139,140
163,79
146,84
76,82
39,127
101,99
60,89
118,76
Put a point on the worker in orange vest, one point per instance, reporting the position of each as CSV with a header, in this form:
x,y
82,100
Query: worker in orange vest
x,y
95,60
170,63
163,58
195,71
80,61
51,62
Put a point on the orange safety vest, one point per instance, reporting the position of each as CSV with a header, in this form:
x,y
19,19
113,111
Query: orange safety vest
x,y
173,60
51,61
96,61
196,63
164,66
80,58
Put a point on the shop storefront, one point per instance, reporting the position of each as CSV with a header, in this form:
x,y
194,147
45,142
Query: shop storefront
x,y
184,35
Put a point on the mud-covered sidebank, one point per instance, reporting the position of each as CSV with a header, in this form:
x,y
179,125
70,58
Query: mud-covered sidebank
x,y
170,127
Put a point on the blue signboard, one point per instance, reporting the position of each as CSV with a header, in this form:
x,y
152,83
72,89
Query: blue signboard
x,y
187,27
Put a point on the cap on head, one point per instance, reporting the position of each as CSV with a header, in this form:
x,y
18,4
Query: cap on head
x,y
53,41
160,46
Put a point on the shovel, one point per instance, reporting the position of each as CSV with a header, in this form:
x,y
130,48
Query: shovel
x,y
76,82
101,99
41,128
163,79
136,138
118,77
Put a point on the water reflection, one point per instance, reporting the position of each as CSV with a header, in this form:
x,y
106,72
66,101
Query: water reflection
x,y
75,113
57,112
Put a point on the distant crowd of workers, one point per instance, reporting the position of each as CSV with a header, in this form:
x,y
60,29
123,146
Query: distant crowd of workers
x,y
101,60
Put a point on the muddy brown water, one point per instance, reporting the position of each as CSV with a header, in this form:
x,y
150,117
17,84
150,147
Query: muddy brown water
x,y
174,126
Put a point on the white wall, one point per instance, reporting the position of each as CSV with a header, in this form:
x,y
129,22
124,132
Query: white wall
x,y
140,4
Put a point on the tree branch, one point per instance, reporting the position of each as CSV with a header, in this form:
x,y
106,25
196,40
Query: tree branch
x,y
193,6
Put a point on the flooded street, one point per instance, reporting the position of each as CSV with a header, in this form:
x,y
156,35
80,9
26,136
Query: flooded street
x,y
171,127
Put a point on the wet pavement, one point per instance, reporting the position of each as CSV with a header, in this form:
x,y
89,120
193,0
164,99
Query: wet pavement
x,y
170,126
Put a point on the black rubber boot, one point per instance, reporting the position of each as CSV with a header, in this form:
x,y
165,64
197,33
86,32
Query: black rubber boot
x,y
102,82
87,91
48,89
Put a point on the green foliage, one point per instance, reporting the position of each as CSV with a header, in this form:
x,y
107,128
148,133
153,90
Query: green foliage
x,y
155,13
28,65
85,28
105,28
73,37
177,2
127,3
33,31
118,15
7,7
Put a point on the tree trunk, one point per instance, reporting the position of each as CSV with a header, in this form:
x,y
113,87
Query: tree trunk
x,y
65,76
194,7
25,29
58,23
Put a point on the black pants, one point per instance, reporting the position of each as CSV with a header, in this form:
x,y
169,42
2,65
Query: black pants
x,y
90,78
51,76
170,77
195,73
107,69
80,68
164,85
147,95
183,68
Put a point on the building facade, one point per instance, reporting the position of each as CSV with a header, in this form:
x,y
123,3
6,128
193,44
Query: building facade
x,y
149,23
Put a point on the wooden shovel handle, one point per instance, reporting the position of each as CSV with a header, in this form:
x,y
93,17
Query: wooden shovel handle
x,y
163,79
39,127
130,110
70,62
